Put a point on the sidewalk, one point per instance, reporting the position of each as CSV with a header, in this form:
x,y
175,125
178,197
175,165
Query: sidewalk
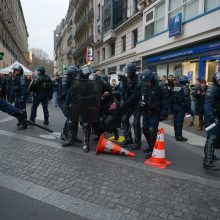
x,y
103,187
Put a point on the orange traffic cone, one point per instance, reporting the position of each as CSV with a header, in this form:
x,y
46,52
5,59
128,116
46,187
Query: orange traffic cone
x,y
158,158
105,145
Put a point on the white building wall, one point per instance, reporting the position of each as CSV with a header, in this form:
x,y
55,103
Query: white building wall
x,y
205,27
120,58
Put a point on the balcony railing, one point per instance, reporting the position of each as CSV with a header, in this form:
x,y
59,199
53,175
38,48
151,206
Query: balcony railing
x,y
83,23
82,47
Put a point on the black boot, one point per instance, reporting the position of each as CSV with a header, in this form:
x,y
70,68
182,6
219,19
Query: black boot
x,y
127,142
210,167
215,158
136,147
209,153
67,143
181,138
116,134
46,122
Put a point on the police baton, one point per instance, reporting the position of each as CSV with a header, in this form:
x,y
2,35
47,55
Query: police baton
x,y
210,127
39,126
213,125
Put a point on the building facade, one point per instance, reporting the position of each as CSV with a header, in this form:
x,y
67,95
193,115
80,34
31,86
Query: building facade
x,y
181,37
168,36
13,33
118,28
74,38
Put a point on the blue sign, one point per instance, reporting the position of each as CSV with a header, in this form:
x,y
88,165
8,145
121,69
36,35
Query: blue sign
x,y
175,25
186,52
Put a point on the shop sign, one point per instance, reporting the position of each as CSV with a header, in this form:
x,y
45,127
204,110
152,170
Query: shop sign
x,y
186,52
1,55
175,25
89,54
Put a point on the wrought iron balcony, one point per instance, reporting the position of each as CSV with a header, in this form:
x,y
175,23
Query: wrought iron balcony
x,y
81,48
83,23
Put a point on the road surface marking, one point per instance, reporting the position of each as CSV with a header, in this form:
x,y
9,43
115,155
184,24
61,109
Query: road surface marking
x,y
125,162
193,139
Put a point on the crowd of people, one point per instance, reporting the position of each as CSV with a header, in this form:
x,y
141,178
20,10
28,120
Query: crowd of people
x,y
197,98
86,97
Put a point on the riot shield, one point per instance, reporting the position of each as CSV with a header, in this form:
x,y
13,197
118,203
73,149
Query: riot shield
x,y
86,100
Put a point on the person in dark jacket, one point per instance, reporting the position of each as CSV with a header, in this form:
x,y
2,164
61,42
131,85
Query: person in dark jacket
x,y
42,88
154,105
181,105
19,91
130,91
3,87
200,99
212,115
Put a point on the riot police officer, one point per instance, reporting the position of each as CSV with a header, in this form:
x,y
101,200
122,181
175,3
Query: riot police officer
x,y
212,115
42,88
109,109
129,90
85,100
19,91
181,105
154,103
70,130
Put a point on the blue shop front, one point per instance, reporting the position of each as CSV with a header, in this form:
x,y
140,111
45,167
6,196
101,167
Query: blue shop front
x,y
201,60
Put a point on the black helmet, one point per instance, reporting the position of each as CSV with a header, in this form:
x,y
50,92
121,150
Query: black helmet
x,y
130,69
148,75
85,71
41,70
104,78
183,80
73,71
18,68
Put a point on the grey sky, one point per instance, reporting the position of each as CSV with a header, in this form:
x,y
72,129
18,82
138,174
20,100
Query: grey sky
x,y
41,17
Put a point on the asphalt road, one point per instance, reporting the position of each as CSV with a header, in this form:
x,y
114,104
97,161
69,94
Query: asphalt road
x,y
15,206
41,180
185,157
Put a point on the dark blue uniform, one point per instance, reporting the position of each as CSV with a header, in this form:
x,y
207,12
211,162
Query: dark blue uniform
x,y
6,107
9,88
212,114
155,108
11,110
42,88
70,130
129,90
19,92
181,106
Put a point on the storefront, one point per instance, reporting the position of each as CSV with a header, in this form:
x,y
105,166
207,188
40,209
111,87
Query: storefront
x,y
198,61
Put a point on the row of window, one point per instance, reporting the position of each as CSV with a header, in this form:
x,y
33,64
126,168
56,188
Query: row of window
x,y
155,19
113,70
123,46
